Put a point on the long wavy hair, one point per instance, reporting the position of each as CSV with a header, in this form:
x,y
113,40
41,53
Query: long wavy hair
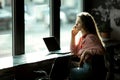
x,y
89,24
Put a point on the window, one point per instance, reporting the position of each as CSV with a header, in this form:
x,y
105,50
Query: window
x,y
5,28
68,11
37,24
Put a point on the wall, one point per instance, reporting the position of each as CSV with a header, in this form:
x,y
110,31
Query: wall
x,y
111,8
115,23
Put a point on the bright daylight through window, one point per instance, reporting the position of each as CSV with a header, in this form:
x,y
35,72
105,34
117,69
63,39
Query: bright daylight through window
x,y
37,24
68,11
5,28
37,21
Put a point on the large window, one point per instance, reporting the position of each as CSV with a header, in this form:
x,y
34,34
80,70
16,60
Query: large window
x,y
36,24
68,11
5,28
37,21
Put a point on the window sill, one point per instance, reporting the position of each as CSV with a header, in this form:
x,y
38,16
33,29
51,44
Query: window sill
x,y
12,61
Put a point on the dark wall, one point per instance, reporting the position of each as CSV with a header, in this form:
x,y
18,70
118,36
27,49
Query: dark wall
x,y
103,10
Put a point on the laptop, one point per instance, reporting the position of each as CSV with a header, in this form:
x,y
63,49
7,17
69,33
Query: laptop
x,y
53,46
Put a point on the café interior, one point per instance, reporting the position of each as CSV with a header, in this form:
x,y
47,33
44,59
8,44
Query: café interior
x,y
33,66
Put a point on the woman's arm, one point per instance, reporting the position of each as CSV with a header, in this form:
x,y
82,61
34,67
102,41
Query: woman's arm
x,y
73,43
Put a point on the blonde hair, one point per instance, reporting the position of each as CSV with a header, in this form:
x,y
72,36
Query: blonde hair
x,y
89,24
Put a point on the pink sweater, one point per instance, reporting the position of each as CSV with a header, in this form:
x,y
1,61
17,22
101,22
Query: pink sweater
x,y
88,42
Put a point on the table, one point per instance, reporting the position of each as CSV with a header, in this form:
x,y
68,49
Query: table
x,y
22,66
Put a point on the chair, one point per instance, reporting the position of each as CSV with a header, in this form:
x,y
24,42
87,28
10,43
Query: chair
x,y
59,70
99,67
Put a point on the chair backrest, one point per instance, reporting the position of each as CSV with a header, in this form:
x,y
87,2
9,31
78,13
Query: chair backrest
x,y
60,68
99,68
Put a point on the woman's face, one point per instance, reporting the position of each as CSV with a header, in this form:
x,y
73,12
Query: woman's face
x,y
78,24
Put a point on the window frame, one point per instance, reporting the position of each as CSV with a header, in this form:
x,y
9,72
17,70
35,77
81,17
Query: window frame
x,y
18,30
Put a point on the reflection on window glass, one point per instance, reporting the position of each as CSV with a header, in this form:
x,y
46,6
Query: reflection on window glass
x,y
68,11
5,28
36,24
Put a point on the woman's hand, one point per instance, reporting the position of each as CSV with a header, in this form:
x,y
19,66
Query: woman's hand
x,y
84,56
74,31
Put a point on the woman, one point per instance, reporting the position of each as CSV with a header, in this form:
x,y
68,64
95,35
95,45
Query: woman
x,y
89,46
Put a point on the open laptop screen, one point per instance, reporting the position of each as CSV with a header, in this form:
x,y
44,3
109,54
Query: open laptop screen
x,y
51,43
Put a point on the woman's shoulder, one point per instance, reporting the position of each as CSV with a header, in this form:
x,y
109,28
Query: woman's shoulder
x,y
92,37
